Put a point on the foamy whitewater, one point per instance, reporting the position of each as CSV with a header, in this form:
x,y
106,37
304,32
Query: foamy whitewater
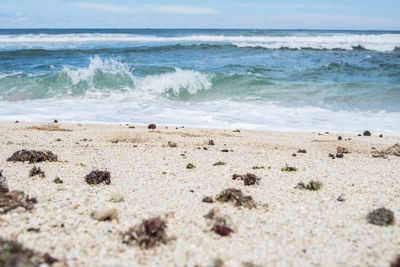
x,y
344,81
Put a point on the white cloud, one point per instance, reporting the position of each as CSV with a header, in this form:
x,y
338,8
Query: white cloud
x,y
111,8
184,10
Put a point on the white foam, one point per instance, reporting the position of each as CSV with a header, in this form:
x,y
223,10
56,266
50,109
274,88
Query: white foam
x,y
189,80
378,42
108,65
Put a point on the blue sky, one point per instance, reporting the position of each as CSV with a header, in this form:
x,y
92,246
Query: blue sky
x,y
306,14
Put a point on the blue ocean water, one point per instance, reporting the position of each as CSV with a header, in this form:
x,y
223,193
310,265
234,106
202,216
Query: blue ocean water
x,y
292,80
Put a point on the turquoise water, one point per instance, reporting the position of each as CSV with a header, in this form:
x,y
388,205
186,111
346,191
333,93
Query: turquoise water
x,y
256,79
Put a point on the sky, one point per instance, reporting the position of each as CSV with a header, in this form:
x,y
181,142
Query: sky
x,y
256,14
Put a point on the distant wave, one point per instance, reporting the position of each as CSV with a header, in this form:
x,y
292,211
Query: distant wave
x,y
377,42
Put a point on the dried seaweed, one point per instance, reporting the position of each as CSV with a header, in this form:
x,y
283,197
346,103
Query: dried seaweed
x,y
237,197
312,185
98,177
15,199
32,156
147,234
381,217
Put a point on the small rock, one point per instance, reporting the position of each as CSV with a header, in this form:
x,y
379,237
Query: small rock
x,y
339,138
105,215
381,135
381,217
151,126
211,142
98,177
55,121
367,133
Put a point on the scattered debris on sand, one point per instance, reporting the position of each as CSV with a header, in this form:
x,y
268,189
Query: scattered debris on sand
x,y
49,128
208,199
341,198
57,180
211,142
381,217
190,166
152,126
340,138
237,197
220,224
147,234
10,200
302,151
236,131
32,156
172,144
219,163
288,168
248,179
258,167
342,150
105,215
37,171
390,151
98,177
13,253
312,185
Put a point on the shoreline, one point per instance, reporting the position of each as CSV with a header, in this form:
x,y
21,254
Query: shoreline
x,y
150,177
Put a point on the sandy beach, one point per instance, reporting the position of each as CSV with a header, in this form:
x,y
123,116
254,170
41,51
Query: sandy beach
x,y
290,225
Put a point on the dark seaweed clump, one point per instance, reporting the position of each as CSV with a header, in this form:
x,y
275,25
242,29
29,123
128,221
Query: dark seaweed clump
x,y
3,183
312,185
147,234
190,166
14,254
152,126
367,133
36,171
237,197
32,156
220,224
207,199
248,179
98,177
396,262
302,151
381,217
10,200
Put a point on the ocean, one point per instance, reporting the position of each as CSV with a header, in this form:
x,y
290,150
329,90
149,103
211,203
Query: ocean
x,y
281,80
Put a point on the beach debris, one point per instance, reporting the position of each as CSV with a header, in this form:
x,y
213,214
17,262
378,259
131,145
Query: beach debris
x,y
367,133
98,177
396,262
37,171
258,167
131,127
11,200
105,215
250,264
152,126
341,198
312,185
342,150
116,198
57,180
32,156
55,121
237,197
248,179
302,151
339,155
13,253
58,140
3,183
381,217
190,166
208,199
219,163
220,224
294,155
390,151
288,168
236,131
147,234
217,263
16,122
381,135
225,150
172,144
211,142
339,138
49,128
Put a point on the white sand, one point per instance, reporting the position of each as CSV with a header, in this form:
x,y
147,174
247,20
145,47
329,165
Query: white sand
x,y
299,228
